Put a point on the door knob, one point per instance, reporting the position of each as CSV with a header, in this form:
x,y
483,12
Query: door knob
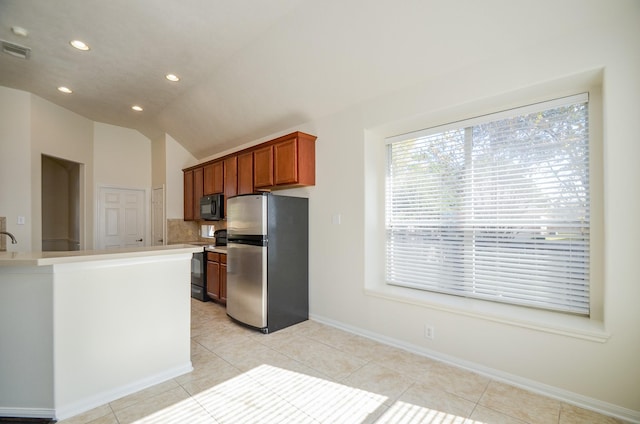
x,y
139,240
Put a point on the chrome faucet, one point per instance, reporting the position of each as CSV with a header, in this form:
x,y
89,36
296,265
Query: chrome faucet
x,y
13,239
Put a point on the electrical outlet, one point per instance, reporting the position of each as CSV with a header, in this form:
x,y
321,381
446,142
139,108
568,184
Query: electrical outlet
x,y
429,332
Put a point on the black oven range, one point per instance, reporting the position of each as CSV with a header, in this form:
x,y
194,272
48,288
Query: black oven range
x,y
199,277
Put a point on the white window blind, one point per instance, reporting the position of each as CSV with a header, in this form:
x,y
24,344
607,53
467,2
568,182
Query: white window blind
x,y
495,208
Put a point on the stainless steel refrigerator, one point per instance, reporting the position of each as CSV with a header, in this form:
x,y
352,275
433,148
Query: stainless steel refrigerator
x,y
268,260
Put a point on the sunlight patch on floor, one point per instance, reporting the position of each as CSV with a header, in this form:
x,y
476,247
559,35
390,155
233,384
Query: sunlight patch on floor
x,y
406,413
270,395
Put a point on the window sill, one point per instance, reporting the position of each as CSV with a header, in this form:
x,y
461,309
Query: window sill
x,y
534,319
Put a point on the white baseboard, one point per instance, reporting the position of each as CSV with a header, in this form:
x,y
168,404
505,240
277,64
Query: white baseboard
x,y
524,383
27,412
82,405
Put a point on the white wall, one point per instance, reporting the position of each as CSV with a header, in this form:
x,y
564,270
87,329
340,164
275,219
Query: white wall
x,y
57,132
15,166
122,157
26,328
177,158
158,162
116,350
593,363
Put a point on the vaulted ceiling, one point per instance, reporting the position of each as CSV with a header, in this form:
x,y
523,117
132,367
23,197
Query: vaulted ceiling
x,y
133,45
249,68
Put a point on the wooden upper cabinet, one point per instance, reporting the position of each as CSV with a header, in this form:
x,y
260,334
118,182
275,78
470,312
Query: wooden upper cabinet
x,y
231,176
245,173
230,179
285,162
198,190
263,167
188,195
213,178
193,190
294,160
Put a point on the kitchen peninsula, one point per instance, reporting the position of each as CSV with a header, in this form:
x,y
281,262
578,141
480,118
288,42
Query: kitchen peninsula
x,y
80,329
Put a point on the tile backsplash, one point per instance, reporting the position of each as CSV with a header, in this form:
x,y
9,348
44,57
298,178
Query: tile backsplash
x,y
180,231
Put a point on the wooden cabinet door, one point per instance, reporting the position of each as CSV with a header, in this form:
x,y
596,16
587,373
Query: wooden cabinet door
x,y
213,178
245,173
230,179
294,161
263,167
285,162
306,151
198,191
213,280
223,278
188,195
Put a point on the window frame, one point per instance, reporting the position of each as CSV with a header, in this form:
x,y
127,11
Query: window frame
x,y
443,301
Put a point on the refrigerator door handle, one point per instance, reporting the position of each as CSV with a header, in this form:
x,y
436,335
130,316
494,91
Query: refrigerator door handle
x,y
256,240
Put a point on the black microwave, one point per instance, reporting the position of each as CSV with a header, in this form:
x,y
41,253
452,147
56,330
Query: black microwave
x,y
212,207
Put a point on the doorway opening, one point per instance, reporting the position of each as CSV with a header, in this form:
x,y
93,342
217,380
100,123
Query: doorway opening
x,y
60,204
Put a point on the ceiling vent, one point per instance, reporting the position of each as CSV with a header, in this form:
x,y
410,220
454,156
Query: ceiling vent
x,y
16,50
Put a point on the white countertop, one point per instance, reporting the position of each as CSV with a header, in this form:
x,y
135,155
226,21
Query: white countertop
x,y
52,258
206,246
217,249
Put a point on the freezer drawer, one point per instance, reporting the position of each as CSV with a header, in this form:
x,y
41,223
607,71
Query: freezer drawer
x,y
247,284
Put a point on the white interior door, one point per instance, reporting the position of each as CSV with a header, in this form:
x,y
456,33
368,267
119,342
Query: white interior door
x,y
121,218
158,231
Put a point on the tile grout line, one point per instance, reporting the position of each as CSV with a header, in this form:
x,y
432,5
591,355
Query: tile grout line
x,y
477,403
113,412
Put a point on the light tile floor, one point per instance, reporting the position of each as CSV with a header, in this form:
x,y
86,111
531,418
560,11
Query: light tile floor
x,y
312,373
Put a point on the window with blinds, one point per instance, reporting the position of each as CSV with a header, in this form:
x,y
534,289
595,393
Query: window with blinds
x,y
495,208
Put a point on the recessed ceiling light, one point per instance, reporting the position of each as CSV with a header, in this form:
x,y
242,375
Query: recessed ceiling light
x,y
136,108
80,45
19,31
172,77
65,90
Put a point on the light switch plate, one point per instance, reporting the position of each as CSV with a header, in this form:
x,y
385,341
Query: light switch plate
x,y
21,220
